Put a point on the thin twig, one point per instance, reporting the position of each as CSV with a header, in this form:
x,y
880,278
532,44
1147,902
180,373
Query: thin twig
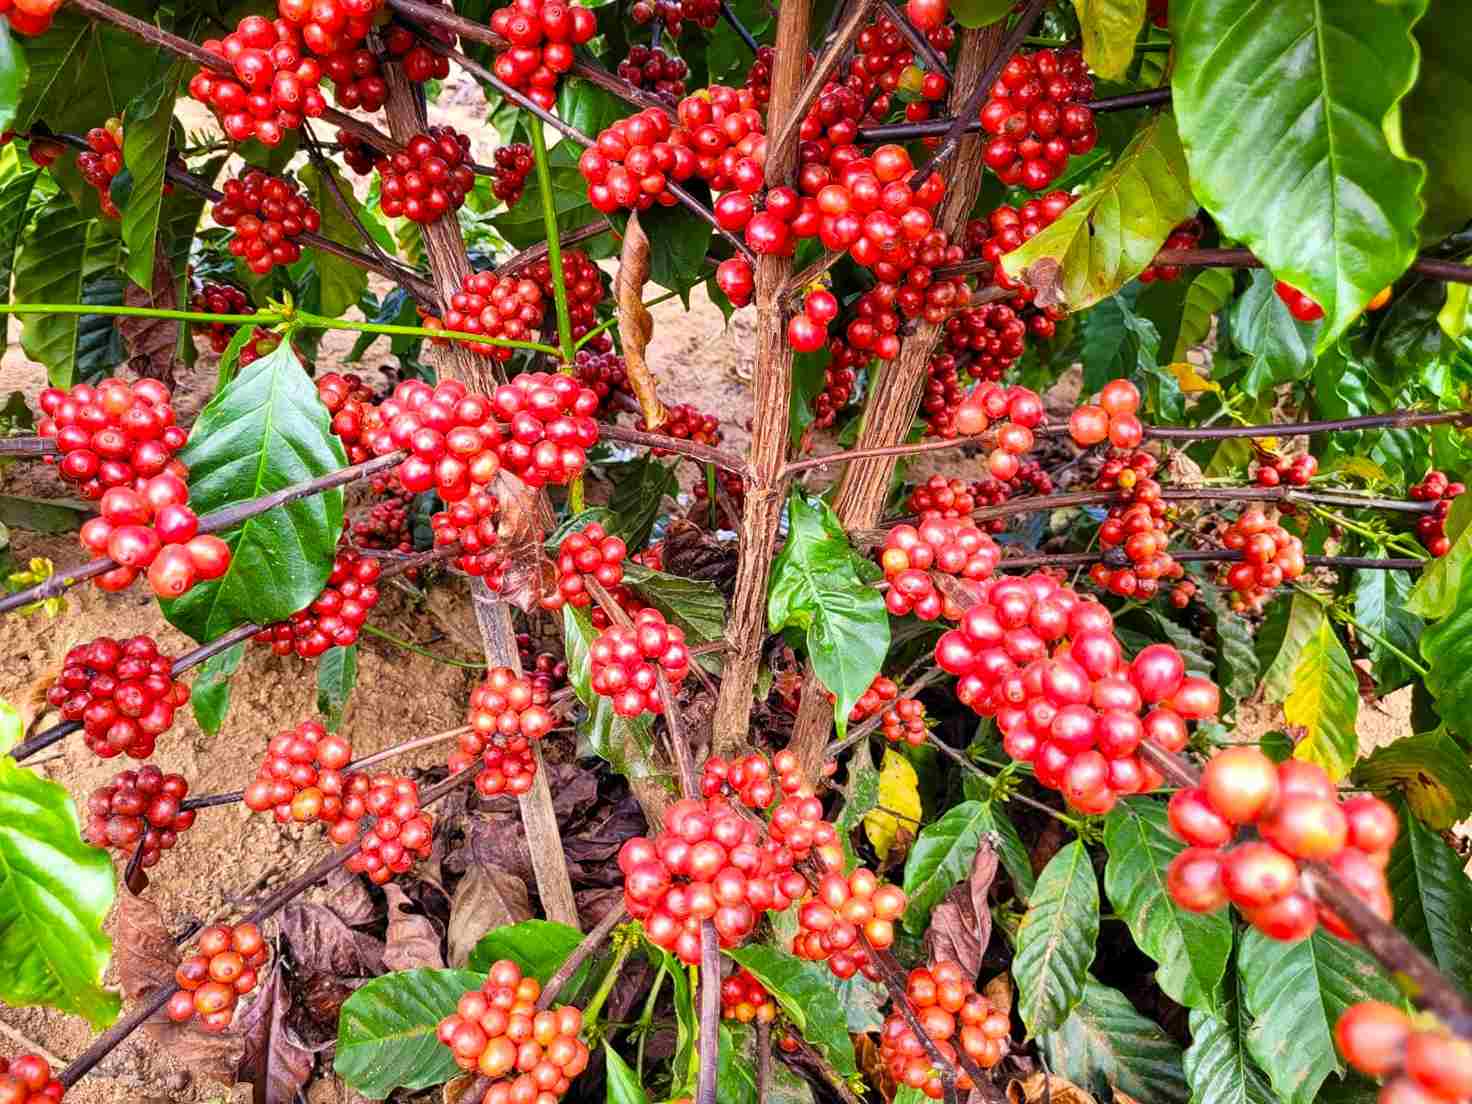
x,y
934,61
580,954
706,454
729,15
763,1060
534,253
710,1012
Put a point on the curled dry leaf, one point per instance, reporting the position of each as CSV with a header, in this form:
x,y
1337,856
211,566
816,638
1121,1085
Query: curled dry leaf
x,y
999,991
275,1063
331,960
458,1090
1046,1087
486,898
635,325
412,943
961,925
1045,277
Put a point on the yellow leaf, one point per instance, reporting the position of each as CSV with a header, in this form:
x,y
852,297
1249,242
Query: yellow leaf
x,y
899,791
1367,470
1192,382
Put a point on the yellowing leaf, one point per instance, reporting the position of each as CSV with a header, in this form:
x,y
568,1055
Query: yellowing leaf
x,y
1109,29
1192,382
1325,701
1361,467
899,790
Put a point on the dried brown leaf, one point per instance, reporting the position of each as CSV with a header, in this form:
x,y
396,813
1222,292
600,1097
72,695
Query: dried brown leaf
x,y
1045,277
412,943
999,992
635,324
961,925
349,898
331,960
152,342
1041,1087
275,1063
458,1090
485,899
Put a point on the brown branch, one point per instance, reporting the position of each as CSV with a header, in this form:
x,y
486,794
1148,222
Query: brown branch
x,y
825,1067
1396,419
795,467
534,253
763,1060
934,61
710,1012
822,72
580,954
706,454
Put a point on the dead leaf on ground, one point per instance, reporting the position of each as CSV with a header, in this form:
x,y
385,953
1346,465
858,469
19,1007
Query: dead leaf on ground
x,y
274,1062
411,941
961,925
485,899
1047,1086
331,961
635,325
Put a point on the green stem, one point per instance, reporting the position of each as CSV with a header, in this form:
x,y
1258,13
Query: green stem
x,y
1349,619
554,245
262,319
647,1017
604,327
1384,540
710,496
594,1006
317,321
409,646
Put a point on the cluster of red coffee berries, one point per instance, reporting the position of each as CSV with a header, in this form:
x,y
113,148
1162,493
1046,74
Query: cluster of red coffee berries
x,y
496,1031
628,659
268,214
1271,556
449,433
1112,417
301,779
746,1000
725,129
510,166
419,62
1299,305
542,34
905,720
1299,816
154,529
1419,1064
1274,469
357,81
386,525
875,698
586,551
123,692
684,422
507,712
1185,236
583,281
138,808
213,298
708,863
30,17
114,434
507,307
1038,115
551,427
952,1013
274,82
633,160
335,616
400,834
102,161
797,822
1435,487
749,779
1138,526
328,27
652,68
471,524
954,546
605,373
349,400
1010,414
224,967
807,330
26,1079
831,922
1047,665
428,179
840,375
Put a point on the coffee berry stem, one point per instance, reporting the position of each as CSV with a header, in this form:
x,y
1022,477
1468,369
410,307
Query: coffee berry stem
x,y
624,944
729,15
1347,618
830,1075
554,243
580,954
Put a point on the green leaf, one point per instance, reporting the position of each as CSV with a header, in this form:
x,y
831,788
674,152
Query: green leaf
x,y
40,516
678,241
1105,1041
817,587
807,999
539,947
209,695
1434,129
1437,591
1295,993
386,1032
1209,292
63,250
1284,111
1380,606
1429,769
639,487
1112,232
1191,948
736,1072
1117,344
1109,29
1433,897
55,893
146,153
19,180
12,728
624,742
342,282
1237,667
13,71
696,606
337,674
1325,701
1217,1064
1280,349
85,70
942,854
1055,942
1284,635
266,431
1447,648
623,1083
980,13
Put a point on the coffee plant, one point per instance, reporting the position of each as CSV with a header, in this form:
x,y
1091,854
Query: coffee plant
x,y
1170,300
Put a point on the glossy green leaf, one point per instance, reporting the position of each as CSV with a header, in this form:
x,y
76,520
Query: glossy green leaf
x,y
539,947
817,586
146,153
55,893
1430,770
980,13
20,181
13,72
61,252
1236,669
1284,111
1055,942
624,742
337,674
1447,650
266,431
943,852
639,487
1218,1067
1210,291
1110,28
342,282
1295,993
1117,343
386,1031
1325,701
1438,590
1433,897
1281,641
736,1072
209,693
1113,231
1191,949
623,1083
84,70
1106,1040
1435,129
696,606
808,1001
1380,606
1279,348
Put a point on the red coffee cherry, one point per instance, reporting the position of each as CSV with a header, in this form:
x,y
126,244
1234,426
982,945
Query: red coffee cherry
x,y
26,1078
542,35
1186,235
950,545
583,281
1299,305
225,967
471,523
1372,1037
428,179
830,922
551,427
335,617
138,808
102,161
273,86
1271,556
746,1000
626,661
905,721
1431,528
650,67
684,422
213,298
507,712
511,165
953,1014
726,133
507,307
349,400
123,692
449,431
400,834
588,551
633,160
302,779
268,213
329,27
1038,117
419,61
30,17
357,84
118,433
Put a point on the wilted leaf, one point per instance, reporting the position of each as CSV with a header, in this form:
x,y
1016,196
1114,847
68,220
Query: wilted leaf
x,y
411,942
485,899
1430,769
899,790
275,1062
635,326
1109,30
1045,1088
961,924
